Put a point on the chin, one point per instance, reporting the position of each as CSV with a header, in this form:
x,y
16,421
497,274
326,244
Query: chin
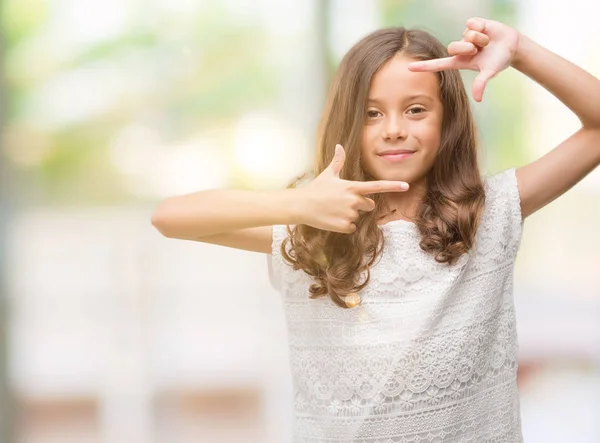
x,y
408,173
394,175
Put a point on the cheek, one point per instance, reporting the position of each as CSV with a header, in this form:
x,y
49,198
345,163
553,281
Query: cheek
x,y
429,137
368,132
368,137
428,133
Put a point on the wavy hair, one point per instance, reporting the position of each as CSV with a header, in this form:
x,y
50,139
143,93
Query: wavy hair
x,y
447,217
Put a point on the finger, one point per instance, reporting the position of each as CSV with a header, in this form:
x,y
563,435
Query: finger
x,y
479,83
438,64
477,38
378,186
477,24
462,48
337,163
351,228
343,227
366,205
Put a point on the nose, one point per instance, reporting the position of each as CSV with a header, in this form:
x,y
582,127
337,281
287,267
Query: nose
x,y
394,129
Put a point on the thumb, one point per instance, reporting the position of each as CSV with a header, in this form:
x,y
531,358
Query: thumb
x,y
337,163
479,83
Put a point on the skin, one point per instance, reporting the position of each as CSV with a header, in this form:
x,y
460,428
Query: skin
x,y
490,47
243,219
404,111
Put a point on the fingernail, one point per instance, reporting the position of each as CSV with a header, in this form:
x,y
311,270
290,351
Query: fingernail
x,y
404,186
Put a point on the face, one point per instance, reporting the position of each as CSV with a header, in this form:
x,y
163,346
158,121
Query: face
x,y
402,131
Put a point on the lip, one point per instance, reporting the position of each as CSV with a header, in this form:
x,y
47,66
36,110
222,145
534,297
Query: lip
x,y
396,155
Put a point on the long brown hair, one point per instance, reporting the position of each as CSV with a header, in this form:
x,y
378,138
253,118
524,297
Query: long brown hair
x,y
447,217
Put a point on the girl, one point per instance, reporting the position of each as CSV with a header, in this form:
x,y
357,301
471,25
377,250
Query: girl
x,y
395,263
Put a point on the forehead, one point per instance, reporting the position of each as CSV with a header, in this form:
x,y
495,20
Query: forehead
x,y
394,80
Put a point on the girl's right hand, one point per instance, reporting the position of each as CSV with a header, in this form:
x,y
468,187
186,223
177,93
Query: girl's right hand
x,y
333,204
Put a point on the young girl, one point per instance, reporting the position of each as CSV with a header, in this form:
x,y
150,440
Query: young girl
x,y
395,263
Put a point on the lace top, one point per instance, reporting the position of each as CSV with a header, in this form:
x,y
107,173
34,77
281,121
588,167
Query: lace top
x,y
430,355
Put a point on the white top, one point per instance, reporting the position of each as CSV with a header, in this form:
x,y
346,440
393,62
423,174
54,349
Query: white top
x,y
431,353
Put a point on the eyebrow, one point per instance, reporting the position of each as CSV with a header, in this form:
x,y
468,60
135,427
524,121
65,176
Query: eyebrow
x,y
407,98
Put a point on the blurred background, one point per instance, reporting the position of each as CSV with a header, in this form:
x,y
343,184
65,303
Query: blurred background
x,y
110,333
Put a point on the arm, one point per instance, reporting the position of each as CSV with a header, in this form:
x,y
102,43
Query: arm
x,y
547,178
233,218
244,219
490,47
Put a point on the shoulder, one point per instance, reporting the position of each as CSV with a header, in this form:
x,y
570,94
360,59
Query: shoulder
x,y
277,266
502,190
280,233
502,221
504,182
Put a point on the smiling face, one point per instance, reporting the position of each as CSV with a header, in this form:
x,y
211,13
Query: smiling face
x,y
402,131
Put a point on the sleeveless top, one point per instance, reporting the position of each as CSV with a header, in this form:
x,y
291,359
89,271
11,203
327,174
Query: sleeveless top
x,y
430,355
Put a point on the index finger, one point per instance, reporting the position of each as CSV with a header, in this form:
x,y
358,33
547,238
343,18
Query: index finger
x,y
379,186
437,64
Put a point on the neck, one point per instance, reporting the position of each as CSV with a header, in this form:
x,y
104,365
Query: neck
x,y
403,205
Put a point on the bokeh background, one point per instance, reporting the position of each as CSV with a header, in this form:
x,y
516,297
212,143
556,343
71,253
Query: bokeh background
x,y
111,333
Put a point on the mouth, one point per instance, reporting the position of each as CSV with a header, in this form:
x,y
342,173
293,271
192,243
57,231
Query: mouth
x,y
396,154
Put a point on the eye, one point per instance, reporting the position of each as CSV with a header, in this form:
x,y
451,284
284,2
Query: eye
x,y
417,110
372,113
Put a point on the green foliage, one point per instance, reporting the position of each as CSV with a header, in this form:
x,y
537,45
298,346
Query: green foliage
x,y
204,71
215,70
500,116
20,18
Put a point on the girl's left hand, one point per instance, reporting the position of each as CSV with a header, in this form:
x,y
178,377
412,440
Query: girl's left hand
x,y
487,46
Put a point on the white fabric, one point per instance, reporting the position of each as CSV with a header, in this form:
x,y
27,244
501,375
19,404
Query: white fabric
x,y
431,353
